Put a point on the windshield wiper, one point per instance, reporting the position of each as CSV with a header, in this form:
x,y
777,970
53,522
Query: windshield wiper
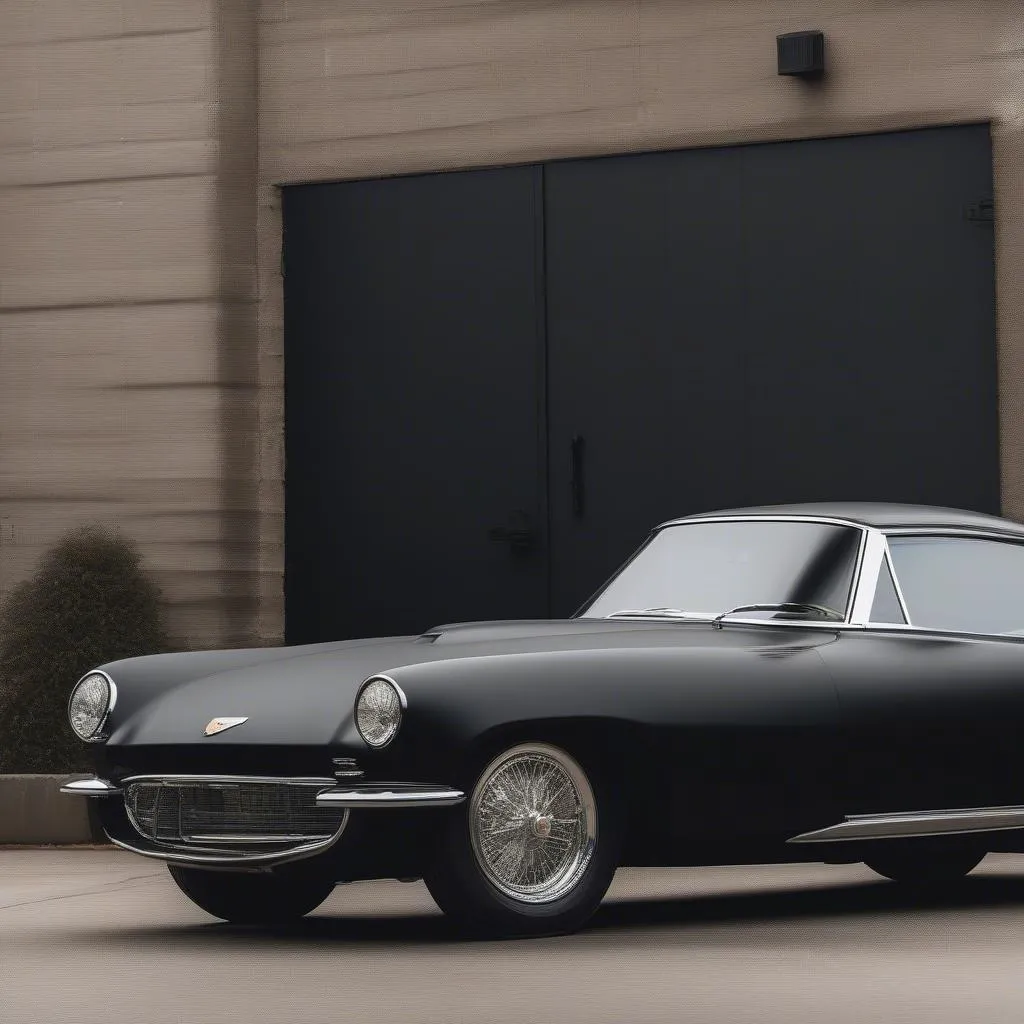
x,y
801,607
667,613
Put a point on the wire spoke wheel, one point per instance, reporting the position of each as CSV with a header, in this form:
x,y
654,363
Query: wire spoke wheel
x,y
533,823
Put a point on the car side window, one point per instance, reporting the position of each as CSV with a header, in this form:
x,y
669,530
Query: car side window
x,y
885,607
961,583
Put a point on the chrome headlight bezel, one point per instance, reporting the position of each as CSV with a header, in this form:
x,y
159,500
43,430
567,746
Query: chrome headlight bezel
x,y
398,712
101,731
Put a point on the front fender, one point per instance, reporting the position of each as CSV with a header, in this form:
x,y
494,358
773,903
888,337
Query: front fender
x,y
736,739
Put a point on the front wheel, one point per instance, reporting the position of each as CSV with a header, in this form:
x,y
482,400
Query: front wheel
x,y
920,863
248,898
532,851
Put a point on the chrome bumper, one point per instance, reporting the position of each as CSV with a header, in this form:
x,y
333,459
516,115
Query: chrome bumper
x,y
383,794
237,853
90,785
253,861
390,794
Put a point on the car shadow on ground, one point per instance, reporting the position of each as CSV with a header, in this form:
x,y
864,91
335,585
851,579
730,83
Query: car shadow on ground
x,y
841,901
678,912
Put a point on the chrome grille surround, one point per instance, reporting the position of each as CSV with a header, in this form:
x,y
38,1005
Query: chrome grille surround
x,y
237,816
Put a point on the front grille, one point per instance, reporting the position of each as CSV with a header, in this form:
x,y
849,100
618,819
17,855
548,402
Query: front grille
x,y
229,813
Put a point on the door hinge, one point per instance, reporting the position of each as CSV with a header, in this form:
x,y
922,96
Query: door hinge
x,y
983,211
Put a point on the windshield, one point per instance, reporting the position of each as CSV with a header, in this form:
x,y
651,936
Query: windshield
x,y
706,569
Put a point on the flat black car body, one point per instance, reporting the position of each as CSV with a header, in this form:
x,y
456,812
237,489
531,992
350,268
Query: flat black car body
x,y
836,683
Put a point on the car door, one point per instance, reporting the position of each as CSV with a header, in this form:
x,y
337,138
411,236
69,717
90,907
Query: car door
x,y
932,692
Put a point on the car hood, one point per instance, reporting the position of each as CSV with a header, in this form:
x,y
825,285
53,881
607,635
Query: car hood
x,y
304,695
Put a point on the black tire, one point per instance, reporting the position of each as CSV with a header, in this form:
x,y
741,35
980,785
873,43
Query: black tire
x,y
462,875
271,898
925,863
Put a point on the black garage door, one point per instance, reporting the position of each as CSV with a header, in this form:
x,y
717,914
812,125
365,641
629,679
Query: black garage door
x,y
497,381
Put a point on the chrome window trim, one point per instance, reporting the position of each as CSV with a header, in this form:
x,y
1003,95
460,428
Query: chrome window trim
x,y
866,576
952,531
946,634
958,532
907,621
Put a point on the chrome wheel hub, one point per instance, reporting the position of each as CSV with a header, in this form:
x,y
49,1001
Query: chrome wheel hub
x,y
533,823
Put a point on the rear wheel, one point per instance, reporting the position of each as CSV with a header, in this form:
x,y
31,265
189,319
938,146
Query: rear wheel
x,y
249,898
532,851
924,863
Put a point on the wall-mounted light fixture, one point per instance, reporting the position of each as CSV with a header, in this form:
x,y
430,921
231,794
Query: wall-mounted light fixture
x,y
802,54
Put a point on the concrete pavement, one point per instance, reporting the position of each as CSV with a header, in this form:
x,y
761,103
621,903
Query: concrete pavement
x,y
101,935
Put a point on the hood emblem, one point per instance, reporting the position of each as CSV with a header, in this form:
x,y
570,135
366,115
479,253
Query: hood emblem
x,y
220,724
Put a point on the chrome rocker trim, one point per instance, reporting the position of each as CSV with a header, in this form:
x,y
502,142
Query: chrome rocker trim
x,y
390,794
908,825
90,785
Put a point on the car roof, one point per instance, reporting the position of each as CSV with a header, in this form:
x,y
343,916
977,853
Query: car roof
x,y
882,515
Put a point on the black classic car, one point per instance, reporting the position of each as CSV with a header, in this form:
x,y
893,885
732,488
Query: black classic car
x,y
832,683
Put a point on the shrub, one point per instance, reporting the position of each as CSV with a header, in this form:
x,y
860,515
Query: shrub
x,y
89,602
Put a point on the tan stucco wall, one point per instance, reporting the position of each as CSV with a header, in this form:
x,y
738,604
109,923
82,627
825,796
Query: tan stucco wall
x,y
127,289
137,229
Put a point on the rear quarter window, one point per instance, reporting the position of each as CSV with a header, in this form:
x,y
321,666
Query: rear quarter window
x,y
961,583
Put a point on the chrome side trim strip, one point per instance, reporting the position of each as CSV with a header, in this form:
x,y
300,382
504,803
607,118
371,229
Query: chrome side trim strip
x,y
390,794
916,823
89,785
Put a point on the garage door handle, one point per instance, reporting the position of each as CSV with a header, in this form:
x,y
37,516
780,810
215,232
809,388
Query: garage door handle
x,y
576,475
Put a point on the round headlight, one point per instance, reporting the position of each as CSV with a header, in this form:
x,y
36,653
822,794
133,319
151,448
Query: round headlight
x,y
91,702
379,711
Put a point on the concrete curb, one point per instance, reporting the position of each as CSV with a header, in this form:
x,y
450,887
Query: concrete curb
x,y
34,812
